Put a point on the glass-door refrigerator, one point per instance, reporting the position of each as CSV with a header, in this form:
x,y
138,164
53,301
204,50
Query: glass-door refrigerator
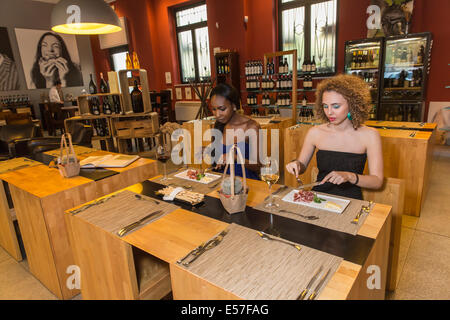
x,y
405,70
364,58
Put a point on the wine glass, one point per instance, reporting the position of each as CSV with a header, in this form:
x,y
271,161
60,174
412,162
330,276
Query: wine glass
x,y
162,155
270,175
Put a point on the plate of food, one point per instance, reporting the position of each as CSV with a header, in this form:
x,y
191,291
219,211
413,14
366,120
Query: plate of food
x,y
316,200
196,176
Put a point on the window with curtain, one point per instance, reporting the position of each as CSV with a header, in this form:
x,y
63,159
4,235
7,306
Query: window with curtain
x,y
310,27
193,43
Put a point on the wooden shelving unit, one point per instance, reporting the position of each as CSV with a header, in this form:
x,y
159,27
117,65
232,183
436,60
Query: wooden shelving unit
x,y
83,102
90,119
141,76
232,75
294,75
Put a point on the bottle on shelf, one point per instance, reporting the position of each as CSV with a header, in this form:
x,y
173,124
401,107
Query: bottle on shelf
x,y
92,86
103,84
136,99
304,101
286,66
136,64
421,55
304,65
308,66
116,102
353,62
106,106
313,65
128,62
95,106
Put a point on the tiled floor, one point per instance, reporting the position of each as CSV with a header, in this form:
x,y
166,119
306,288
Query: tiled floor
x,y
424,263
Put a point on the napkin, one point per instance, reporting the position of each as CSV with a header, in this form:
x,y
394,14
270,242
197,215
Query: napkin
x,y
173,194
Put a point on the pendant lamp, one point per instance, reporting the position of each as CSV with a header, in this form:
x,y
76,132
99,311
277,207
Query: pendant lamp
x,y
84,17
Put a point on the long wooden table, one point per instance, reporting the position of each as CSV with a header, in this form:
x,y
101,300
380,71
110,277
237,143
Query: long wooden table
x,y
41,195
116,273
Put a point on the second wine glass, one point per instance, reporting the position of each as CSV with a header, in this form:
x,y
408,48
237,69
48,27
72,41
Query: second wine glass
x,y
163,155
270,175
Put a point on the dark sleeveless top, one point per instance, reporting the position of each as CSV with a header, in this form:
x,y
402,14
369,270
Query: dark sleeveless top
x,y
245,150
328,161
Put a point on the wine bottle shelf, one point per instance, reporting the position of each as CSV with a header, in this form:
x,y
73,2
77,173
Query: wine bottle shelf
x,y
309,106
277,91
403,89
363,68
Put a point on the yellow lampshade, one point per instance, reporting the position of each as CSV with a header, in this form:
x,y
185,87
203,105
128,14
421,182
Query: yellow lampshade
x,y
84,17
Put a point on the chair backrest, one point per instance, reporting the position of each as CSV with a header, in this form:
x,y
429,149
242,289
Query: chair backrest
x,y
392,193
19,118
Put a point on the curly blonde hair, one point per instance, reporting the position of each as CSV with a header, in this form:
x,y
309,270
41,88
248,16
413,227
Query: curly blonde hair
x,y
353,89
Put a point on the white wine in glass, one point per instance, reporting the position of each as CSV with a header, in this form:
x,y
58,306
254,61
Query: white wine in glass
x,y
270,175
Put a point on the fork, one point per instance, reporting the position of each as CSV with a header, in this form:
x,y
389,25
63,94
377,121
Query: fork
x,y
299,214
267,237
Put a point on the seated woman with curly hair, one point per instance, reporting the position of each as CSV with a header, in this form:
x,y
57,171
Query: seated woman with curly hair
x,y
343,142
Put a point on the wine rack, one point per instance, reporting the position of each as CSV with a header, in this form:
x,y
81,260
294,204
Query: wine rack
x,y
139,75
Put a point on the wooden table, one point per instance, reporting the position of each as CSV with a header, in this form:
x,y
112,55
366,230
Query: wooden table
x,y
41,195
420,126
405,157
114,274
8,236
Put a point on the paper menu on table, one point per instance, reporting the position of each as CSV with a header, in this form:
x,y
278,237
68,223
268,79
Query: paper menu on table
x,y
108,161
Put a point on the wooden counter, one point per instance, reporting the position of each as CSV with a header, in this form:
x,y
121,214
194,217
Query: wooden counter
x,y
401,125
274,123
41,195
8,236
113,274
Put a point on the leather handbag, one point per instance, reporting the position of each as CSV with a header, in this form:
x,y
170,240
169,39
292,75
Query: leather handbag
x,y
68,163
234,203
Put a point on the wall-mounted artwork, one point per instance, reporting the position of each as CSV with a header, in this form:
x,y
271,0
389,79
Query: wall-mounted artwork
x,y
9,77
48,57
395,18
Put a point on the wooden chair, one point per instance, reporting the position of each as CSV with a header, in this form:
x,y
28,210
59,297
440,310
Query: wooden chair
x,y
54,117
391,193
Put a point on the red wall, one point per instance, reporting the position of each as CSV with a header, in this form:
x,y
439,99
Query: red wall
x,y
152,34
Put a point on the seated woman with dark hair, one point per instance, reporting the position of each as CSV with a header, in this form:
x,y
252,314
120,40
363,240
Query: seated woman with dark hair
x,y
224,104
53,63
343,142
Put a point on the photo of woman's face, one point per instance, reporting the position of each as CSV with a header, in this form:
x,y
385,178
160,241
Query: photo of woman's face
x,y
51,48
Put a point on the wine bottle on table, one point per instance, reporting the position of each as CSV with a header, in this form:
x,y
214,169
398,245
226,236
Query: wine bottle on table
x,y
92,86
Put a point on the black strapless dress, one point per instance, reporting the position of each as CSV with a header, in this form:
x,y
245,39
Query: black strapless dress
x,y
328,161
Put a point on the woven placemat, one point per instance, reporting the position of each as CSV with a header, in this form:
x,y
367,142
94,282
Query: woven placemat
x,y
16,164
195,186
331,220
122,209
257,269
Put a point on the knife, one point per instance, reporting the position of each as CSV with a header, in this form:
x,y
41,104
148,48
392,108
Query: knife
x,y
309,185
314,294
209,245
133,225
310,283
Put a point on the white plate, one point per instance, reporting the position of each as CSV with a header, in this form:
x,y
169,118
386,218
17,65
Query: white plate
x,y
341,202
205,180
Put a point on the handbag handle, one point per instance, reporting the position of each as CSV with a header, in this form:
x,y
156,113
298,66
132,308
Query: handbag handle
x,y
69,149
232,174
